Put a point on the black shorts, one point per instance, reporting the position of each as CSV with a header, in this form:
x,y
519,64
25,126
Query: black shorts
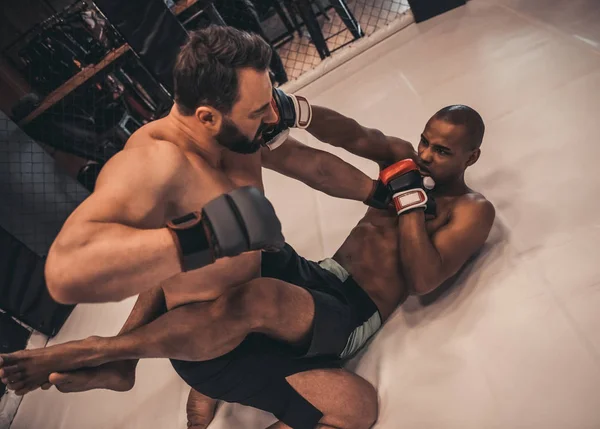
x,y
254,374
345,316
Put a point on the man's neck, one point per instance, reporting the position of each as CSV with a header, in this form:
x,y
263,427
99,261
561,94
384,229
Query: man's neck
x,y
193,140
453,188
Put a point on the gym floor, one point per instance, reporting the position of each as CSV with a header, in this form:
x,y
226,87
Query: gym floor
x,y
514,343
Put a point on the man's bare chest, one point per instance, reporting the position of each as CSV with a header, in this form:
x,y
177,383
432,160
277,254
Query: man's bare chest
x,y
202,186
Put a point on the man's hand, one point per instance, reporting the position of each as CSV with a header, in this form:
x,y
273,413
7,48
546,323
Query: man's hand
x,y
408,189
239,221
294,111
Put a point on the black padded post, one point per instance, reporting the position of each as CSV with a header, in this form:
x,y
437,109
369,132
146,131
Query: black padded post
x,y
426,9
152,31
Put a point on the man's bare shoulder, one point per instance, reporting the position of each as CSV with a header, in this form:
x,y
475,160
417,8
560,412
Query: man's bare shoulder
x,y
147,160
474,205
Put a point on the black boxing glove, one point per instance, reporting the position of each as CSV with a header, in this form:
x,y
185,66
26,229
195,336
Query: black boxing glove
x,y
239,221
431,207
293,111
380,196
407,186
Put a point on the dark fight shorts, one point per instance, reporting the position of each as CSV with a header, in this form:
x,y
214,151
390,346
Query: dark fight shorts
x,y
345,316
254,374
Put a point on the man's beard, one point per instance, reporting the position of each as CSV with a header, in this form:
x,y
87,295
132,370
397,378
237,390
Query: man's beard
x,y
231,137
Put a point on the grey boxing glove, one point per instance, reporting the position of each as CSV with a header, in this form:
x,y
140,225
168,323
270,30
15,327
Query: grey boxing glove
x,y
239,221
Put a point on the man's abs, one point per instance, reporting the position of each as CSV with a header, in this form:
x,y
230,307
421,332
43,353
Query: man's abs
x,y
370,255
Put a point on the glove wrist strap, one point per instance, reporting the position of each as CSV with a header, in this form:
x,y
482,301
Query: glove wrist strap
x,y
409,200
191,235
303,111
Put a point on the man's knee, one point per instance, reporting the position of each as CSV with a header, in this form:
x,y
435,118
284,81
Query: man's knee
x,y
255,302
370,407
364,405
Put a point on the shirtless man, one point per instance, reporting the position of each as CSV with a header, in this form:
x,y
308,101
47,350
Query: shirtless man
x,y
387,255
116,244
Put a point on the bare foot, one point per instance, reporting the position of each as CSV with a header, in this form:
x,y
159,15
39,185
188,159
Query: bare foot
x,y
200,410
26,370
117,376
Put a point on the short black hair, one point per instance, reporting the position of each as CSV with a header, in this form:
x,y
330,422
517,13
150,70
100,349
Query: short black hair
x,y
206,69
459,114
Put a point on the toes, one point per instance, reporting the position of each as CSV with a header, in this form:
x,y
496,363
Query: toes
x,y
12,379
7,360
16,386
7,371
11,372
23,390
57,378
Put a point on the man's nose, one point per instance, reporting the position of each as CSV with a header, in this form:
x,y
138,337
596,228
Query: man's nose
x,y
271,116
426,156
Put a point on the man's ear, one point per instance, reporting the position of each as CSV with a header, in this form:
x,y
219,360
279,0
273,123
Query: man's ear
x,y
473,157
209,117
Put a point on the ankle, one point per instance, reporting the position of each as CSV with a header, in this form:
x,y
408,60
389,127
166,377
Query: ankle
x,y
97,348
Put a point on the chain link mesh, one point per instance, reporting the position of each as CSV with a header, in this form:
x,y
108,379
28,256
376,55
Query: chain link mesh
x,y
72,91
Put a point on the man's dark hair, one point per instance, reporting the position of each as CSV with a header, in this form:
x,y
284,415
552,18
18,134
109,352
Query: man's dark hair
x,y
205,71
459,114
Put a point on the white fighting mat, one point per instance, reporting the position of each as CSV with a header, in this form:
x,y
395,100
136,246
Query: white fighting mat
x,y
515,344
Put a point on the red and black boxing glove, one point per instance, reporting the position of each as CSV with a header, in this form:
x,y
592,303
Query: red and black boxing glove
x,y
380,196
408,189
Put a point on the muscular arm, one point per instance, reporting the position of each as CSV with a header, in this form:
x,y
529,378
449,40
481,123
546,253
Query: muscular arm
x,y
426,262
338,130
107,250
318,169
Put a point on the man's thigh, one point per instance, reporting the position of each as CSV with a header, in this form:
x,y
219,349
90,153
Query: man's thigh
x,y
344,398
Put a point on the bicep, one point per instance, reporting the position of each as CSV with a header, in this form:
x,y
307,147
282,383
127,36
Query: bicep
x,y
464,235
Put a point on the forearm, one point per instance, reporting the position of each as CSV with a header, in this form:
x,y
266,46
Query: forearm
x,y
340,179
319,169
336,129
419,258
100,262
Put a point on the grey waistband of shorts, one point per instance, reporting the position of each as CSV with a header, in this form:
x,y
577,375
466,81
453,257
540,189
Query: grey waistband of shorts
x,y
334,268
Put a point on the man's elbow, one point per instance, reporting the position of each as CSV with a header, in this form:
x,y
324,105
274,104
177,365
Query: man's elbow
x,y
65,282
60,288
